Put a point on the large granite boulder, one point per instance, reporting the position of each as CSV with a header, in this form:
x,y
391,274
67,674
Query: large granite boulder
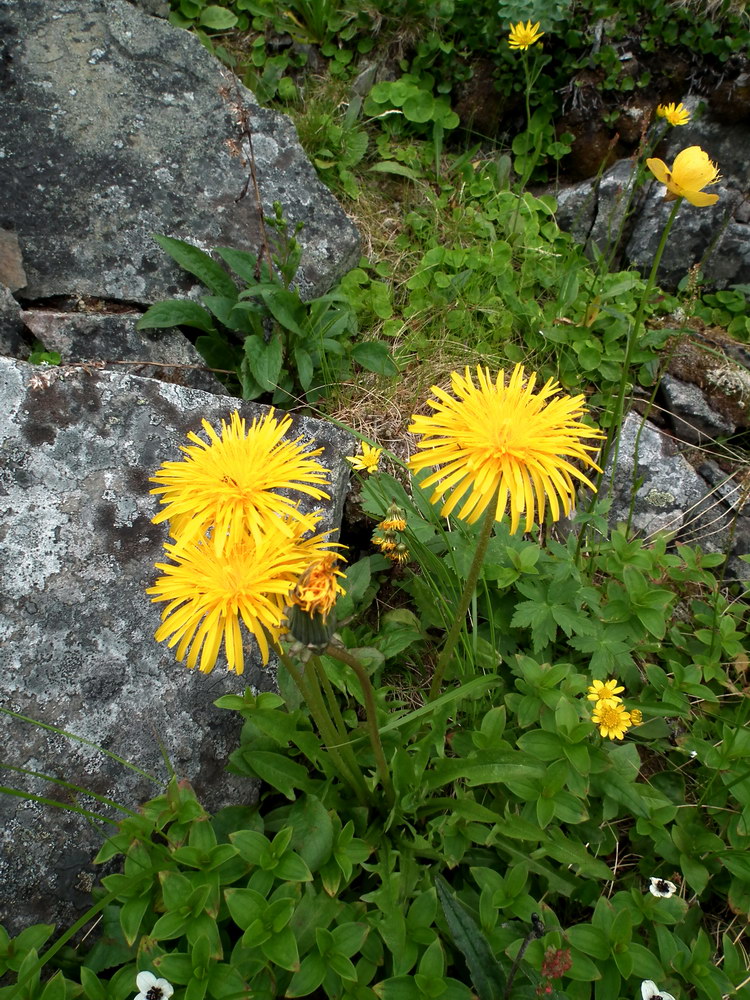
x,y
115,125
77,446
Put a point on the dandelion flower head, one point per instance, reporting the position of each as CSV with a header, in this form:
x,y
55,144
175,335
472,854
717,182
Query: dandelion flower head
x,y
317,589
522,36
368,461
230,483
209,592
500,443
605,690
612,719
690,173
675,114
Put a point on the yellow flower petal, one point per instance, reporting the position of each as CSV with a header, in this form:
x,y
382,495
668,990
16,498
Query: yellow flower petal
x,y
521,35
691,171
503,444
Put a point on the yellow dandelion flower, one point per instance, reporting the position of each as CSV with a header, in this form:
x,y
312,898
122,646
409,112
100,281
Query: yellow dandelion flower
x,y
675,114
503,445
612,719
317,589
393,524
636,717
605,691
691,172
385,544
230,484
210,592
522,36
400,554
368,462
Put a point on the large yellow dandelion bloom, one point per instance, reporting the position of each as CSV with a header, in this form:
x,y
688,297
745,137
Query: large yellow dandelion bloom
x,y
230,483
612,719
691,172
675,114
210,592
317,589
522,36
503,444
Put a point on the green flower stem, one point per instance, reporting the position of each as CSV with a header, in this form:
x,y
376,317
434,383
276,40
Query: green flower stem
x,y
344,656
309,688
464,602
633,333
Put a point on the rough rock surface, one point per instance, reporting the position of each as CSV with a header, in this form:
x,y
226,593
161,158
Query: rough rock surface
x,y
592,211
112,339
76,629
702,506
115,125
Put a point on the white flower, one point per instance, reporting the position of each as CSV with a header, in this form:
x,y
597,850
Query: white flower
x,y
663,888
151,988
650,991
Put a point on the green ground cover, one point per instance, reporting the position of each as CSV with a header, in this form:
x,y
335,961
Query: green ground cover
x,y
519,768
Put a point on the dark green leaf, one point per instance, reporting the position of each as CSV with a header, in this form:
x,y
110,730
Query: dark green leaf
x,y
375,356
175,312
486,974
205,268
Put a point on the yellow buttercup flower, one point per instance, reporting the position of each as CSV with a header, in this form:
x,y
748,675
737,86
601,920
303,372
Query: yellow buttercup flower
x,y
605,691
522,36
612,719
230,484
675,114
317,589
500,443
369,461
691,172
211,591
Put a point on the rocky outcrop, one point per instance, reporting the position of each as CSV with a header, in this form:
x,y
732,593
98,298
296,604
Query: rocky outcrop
x,y
77,629
115,125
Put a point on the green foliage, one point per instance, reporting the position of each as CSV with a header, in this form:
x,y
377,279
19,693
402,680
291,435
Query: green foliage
x,y
278,345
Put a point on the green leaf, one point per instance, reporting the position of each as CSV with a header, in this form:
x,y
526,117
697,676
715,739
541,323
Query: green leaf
x,y
242,263
375,356
196,262
131,916
305,368
590,940
313,831
218,18
175,312
264,360
278,771
281,948
308,978
486,975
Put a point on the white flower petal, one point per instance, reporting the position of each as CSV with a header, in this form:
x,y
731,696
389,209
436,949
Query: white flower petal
x,y
144,981
662,888
650,991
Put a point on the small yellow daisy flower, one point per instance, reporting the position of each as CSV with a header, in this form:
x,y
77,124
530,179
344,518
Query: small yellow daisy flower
x,y
612,719
501,444
691,172
369,460
605,691
675,114
522,36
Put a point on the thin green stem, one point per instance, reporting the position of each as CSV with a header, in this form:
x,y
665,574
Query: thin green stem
x,y
344,656
633,334
463,604
310,690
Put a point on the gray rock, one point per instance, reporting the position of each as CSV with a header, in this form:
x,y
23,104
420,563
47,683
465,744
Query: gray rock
x,y
12,274
112,341
116,125
12,343
76,628
693,419
672,497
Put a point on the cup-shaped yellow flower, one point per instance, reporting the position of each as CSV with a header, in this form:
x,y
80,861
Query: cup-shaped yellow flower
x,y
231,483
211,591
501,443
675,114
522,36
612,719
691,172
